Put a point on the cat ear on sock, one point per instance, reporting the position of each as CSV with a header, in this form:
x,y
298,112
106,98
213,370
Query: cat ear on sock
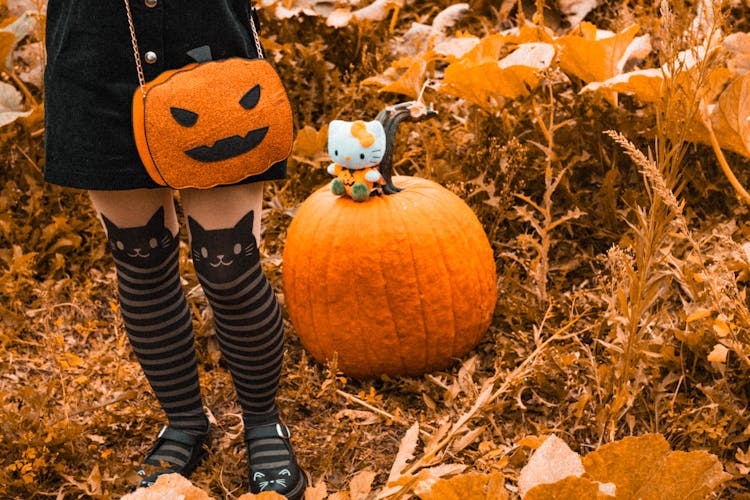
x,y
194,226
156,221
245,222
108,225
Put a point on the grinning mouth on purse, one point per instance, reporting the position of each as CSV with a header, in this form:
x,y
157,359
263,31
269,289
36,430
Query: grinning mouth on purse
x,y
229,147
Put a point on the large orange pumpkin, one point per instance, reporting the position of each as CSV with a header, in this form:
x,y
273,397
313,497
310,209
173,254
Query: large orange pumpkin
x,y
401,284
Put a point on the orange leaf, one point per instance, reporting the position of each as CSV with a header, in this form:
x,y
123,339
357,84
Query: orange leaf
x,y
593,55
570,488
488,49
7,43
309,142
650,85
738,45
644,467
646,84
718,354
698,314
487,83
170,486
317,492
405,76
729,116
361,484
265,495
474,486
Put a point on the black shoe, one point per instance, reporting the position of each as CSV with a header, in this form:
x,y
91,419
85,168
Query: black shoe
x,y
197,445
289,479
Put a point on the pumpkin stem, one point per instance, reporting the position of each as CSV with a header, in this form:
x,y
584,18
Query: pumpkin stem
x,y
390,117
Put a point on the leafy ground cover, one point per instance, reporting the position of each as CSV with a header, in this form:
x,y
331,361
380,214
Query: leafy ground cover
x,y
607,169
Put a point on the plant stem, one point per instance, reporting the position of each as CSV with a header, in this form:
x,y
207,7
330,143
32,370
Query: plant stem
x,y
743,194
24,88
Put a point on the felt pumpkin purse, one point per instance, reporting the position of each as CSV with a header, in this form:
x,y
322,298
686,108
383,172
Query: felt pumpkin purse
x,y
211,123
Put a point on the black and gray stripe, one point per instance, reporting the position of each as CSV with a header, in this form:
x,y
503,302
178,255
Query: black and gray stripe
x,y
249,327
159,327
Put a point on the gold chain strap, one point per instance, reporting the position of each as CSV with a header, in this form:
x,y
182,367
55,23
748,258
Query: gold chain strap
x,y
137,53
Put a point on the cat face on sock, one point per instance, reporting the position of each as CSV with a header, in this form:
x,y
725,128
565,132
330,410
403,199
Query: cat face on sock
x,y
229,251
145,245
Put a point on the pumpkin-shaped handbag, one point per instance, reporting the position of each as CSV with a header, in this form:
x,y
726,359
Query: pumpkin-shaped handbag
x,y
211,123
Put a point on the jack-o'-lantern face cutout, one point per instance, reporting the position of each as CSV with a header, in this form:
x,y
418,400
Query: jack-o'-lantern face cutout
x,y
215,121
228,147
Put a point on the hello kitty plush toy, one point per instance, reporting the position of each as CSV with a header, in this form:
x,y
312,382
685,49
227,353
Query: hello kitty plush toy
x,y
356,149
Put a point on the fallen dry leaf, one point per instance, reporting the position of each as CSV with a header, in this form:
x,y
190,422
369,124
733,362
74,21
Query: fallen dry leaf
x,y
718,354
570,488
309,142
551,462
265,495
11,104
645,467
361,485
487,84
292,8
170,487
317,492
729,117
738,46
405,452
576,10
595,55
471,486
376,11
405,76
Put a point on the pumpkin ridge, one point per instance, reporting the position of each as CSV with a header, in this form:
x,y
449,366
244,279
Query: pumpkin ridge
x,y
472,245
396,216
420,285
360,334
427,211
308,267
334,337
298,232
441,210
402,364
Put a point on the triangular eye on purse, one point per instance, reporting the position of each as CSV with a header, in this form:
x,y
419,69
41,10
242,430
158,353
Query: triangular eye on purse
x,y
211,123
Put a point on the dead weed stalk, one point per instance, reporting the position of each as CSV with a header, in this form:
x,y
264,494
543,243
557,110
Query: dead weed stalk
x,y
543,219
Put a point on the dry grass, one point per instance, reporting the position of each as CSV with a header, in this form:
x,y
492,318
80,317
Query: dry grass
x,y
622,263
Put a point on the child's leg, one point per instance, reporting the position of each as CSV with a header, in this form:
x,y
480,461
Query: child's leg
x,y
142,230
224,228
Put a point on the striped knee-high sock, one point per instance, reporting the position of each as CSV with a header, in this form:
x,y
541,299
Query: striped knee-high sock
x,y
158,325
248,323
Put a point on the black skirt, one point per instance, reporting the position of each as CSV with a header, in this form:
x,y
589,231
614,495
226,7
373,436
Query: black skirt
x,y
90,78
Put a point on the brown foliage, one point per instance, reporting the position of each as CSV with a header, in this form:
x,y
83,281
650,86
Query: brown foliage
x,y
622,265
